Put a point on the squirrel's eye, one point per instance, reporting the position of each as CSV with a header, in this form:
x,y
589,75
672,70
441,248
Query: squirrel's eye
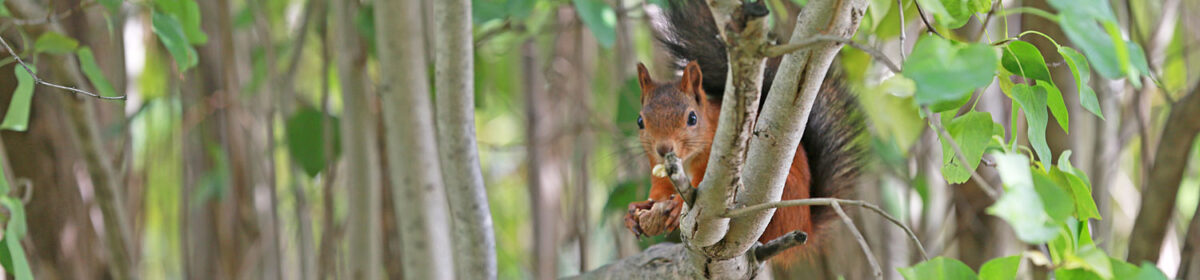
x,y
641,125
691,118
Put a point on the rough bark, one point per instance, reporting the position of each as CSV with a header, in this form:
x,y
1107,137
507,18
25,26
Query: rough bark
x,y
1158,196
358,132
418,192
474,241
785,112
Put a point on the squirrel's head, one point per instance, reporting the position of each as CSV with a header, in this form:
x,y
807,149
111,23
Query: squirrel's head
x,y
676,116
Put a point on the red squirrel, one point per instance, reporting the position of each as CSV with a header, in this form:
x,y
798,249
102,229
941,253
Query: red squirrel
x,y
681,117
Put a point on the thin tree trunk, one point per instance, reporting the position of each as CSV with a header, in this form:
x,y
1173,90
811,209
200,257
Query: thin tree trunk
x,y
544,180
358,134
419,195
474,242
1158,196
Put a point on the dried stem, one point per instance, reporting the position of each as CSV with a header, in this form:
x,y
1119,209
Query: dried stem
x,y
49,84
862,242
779,244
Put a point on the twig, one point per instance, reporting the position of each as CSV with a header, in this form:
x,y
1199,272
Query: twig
x,y
984,24
779,244
903,30
683,185
862,242
778,50
733,213
49,84
921,12
962,157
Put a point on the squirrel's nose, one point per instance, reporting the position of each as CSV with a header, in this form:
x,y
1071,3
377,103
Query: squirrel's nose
x,y
663,149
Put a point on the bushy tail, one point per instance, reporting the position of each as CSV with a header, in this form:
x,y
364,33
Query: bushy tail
x,y
832,138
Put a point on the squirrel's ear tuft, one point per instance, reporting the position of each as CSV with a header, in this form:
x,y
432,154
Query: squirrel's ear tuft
x,y
692,81
644,80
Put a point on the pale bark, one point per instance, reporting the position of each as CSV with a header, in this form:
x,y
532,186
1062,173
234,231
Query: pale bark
x,y
786,109
419,194
474,241
363,234
704,224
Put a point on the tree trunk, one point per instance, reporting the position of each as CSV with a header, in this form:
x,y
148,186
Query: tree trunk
x,y
418,192
358,150
1158,196
474,242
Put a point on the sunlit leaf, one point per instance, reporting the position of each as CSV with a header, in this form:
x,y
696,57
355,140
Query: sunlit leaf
x,y
55,43
944,70
1056,104
1081,190
1082,72
88,62
1033,103
17,117
939,268
1024,59
1000,268
971,132
1020,205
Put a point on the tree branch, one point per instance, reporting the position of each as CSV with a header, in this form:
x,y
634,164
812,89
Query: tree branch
x,y
1166,173
781,125
683,184
745,211
778,245
40,81
778,50
862,242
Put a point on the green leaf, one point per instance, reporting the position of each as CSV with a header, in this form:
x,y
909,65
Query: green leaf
x,y
306,139
1033,103
1024,59
1081,190
1000,268
971,132
1055,200
55,43
13,255
4,11
945,71
1020,205
937,269
94,74
113,6
1092,259
1087,8
598,16
17,117
1094,42
1082,72
189,17
171,34
1058,106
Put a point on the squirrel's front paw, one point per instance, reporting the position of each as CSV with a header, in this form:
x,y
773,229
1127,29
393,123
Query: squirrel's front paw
x,y
650,218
